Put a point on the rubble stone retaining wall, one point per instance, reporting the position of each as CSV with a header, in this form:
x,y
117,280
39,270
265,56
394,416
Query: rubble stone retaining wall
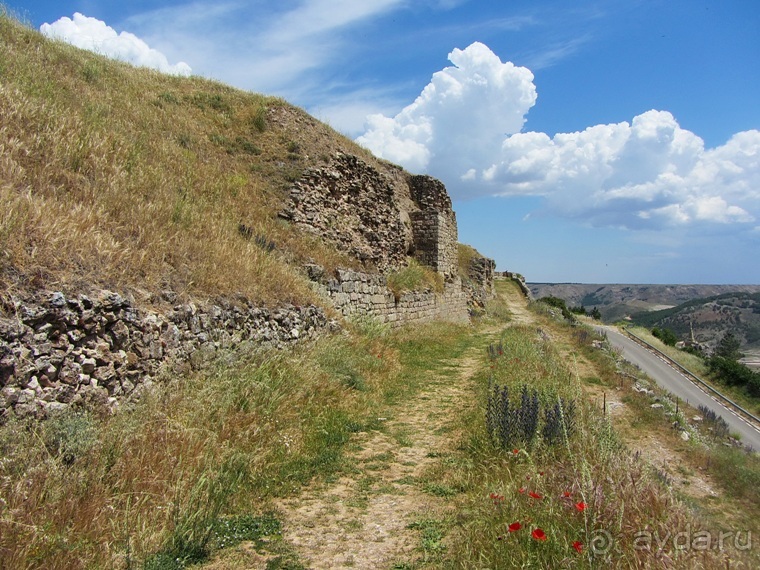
x,y
353,206
57,352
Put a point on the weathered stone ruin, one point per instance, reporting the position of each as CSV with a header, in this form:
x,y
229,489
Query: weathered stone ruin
x,y
102,349
353,206
57,352
384,219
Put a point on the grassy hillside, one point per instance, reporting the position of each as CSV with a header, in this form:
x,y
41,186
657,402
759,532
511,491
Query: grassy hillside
x,y
127,178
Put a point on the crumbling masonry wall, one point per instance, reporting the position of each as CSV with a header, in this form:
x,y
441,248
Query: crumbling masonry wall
x,y
58,352
434,226
353,206
382,219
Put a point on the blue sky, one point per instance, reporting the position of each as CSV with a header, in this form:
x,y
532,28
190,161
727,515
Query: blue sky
x,y
601,141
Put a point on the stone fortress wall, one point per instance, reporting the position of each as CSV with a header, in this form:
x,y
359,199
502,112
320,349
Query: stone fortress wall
x,y
101,349
383,219
434,226
361,294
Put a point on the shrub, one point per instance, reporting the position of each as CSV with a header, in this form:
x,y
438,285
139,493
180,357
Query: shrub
x,y
559,304
734,373
665,335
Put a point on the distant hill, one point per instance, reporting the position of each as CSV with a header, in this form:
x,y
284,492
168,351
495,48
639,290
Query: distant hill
x,y
620,300
712,309
710,318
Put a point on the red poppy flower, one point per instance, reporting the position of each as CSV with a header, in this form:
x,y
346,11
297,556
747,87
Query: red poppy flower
x,y
515,451
521,490
538,534
515,526
566,494
578,545
580,506
535,495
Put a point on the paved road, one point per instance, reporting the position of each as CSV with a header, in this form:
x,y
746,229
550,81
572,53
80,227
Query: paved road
x,y
673,381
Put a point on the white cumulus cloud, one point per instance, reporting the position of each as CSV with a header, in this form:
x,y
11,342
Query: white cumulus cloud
x,y
459,119
94,35
466,129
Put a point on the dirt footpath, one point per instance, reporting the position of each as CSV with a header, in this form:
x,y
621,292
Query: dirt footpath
x,y
362,520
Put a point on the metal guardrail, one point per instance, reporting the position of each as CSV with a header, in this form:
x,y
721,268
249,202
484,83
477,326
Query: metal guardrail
x,y
694,377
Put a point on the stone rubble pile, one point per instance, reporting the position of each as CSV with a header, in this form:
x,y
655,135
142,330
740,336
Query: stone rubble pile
x,y
58,352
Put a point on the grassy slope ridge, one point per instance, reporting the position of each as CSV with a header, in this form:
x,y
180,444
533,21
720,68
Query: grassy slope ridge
x,y
127,178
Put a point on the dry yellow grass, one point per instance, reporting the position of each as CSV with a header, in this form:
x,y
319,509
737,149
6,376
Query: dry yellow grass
x,y
116,176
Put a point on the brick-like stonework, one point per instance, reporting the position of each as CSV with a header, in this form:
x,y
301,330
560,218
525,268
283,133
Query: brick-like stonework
x,y
360,294
434,226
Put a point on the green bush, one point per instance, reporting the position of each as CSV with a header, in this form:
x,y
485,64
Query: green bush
x,y
665,335
733,373
559,304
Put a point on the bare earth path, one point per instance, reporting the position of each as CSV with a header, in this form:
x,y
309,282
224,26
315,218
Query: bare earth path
x,y
362,520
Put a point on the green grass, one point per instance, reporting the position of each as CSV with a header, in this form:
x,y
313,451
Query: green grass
x,y
432,532
414,277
